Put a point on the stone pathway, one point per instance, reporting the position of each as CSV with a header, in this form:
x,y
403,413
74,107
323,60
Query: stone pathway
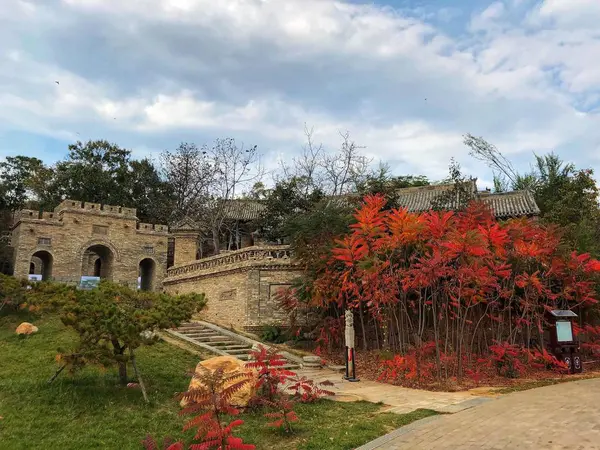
x,y
562,416
400,400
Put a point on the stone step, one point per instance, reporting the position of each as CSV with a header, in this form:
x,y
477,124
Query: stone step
x,y
202,335
235,347
289,366
214,343
194,328
220,338
221,344
240,351
214,339
200,338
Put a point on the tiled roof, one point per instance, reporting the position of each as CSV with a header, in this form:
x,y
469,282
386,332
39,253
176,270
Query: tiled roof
x,y
424,198
504,205
511,204
186,224
241,209
415,199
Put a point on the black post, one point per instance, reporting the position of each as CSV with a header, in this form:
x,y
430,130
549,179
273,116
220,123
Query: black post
x,y
347,361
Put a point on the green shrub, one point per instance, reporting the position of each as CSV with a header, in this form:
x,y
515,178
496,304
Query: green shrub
x,y
113,320
274,334
12,293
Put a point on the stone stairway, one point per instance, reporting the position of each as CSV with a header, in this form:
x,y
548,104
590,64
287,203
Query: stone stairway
x,y
224,342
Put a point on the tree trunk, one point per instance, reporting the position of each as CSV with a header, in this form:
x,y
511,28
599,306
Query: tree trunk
x,y
216,242
119,352
362,324
123,373
138,376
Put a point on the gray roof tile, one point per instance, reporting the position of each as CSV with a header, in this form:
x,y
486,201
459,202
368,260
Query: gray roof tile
x,y
504,205
242,209
415,199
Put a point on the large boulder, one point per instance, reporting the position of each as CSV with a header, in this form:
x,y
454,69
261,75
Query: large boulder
x,y
26,328
230,365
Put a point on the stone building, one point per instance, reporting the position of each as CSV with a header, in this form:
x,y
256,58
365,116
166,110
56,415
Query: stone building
x,y
79,239
240,285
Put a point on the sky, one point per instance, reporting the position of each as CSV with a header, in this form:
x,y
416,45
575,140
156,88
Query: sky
x,y
406,78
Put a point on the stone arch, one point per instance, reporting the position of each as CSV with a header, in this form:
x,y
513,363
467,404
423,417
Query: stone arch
x,y
42,261
98,258
147,274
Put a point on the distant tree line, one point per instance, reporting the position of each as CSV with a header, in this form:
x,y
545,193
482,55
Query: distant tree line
x,y
307,200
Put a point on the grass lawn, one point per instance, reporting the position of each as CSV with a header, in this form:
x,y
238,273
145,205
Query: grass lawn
x,y
90,410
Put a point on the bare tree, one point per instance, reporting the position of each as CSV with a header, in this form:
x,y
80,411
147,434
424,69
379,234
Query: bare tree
x,y
236,170
345,169
333,173
306,167
189,171
505,175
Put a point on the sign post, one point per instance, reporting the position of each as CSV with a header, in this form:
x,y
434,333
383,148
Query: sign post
x,y
350,354
563,343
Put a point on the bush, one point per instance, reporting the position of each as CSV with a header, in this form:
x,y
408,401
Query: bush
x,y
12,293
212,401
274,334
113,320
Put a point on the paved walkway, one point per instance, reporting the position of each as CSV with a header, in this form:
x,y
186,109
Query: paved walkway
x,y
562,416
400,400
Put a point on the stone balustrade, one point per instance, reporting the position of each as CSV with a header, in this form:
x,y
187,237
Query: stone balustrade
x,y
269,255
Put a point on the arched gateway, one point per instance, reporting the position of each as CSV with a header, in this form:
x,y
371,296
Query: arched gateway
x,y
88,239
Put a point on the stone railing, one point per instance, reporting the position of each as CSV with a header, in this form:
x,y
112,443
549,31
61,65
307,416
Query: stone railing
x,y
278,254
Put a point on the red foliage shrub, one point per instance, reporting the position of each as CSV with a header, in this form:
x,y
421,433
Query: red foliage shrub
x,y
591,343
275,385
306,390
211,403
460,280
284,415
272,377
413,367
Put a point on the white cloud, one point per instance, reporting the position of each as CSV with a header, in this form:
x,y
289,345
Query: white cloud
x,y
571,13
154,72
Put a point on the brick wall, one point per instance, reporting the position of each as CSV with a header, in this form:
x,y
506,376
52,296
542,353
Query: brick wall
x,y
240,286
186,247
63,237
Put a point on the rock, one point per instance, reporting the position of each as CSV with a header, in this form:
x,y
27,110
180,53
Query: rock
x,y
312,361
231,365
148,335
26,328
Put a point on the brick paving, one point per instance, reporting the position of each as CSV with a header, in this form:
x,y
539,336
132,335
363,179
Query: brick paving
x,y
562,416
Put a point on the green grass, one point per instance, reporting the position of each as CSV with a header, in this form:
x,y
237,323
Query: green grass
x,y
328,425
90,410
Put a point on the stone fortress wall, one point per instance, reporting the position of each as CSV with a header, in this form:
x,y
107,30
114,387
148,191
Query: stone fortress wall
x,y
240,285
89,239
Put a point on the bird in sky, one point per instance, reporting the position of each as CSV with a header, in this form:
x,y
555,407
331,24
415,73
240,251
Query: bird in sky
x,y
57,82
